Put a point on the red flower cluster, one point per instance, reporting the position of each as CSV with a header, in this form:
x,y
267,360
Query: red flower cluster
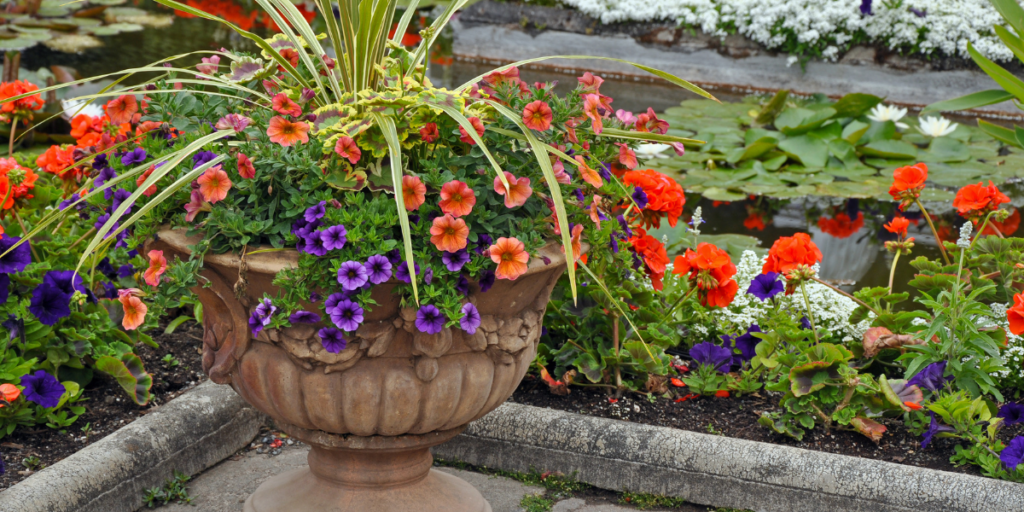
x,y
975,201
1015,315
58,160
653,253
790,252
712,271
22,180
908,182
23,108
665,196
841,226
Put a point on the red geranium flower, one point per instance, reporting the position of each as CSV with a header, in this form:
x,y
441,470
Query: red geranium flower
x,y
665,196
908,182
711,271
975,201
898,226
1015,315
653,253
22,108
1006,227
789,252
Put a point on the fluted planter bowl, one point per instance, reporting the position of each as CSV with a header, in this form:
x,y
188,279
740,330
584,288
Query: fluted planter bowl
x,y
372,411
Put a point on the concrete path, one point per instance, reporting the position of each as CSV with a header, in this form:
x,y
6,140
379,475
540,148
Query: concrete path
x,y
224,487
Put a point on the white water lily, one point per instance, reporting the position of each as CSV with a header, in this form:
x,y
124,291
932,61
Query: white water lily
x,y
651,151
935,126
882,113
74,107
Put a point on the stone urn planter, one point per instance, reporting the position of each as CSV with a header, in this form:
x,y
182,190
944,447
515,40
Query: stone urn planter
x,y
372,411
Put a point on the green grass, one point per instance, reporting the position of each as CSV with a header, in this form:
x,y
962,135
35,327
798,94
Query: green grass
x,y
558,486
536,503
644,501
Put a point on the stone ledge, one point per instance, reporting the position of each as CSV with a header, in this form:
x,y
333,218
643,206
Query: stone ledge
x,y
188,434
716,470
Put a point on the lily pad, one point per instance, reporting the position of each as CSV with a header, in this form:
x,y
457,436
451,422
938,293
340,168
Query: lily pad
x,y
946,149
17,44
721,194
890,149
108,2
116,28
72,43
809,150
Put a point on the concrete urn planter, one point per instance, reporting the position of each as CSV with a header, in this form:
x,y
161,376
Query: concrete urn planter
x,y
372,411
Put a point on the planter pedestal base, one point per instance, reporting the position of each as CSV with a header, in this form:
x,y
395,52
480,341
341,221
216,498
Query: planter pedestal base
x,y
367,474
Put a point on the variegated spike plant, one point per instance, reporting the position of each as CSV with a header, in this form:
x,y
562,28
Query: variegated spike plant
x,y
367,94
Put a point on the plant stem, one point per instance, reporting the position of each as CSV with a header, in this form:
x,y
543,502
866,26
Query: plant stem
x,y
935,232
680,301
618,368
892,271
24,232
810,315
847,295
10,143
982,229
87,233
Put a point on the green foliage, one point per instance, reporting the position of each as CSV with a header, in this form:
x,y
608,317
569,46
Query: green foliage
x,y
536,503
644,501
173,491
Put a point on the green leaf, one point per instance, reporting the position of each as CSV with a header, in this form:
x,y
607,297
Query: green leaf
x,y
754,150
1004,135
808,149
174,324
1012,13
890,149
810,377
1007,80
387,126
855,105
795,121
772,109
130,374
946,149
969,101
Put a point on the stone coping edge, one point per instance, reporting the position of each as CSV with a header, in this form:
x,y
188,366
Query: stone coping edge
x,y
716,470
189,434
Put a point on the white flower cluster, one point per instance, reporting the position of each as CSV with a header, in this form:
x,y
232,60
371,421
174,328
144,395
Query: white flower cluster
x,y
825,25
831,309
1013,356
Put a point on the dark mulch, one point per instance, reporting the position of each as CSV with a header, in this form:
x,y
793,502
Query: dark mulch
x,y
737,417
108,407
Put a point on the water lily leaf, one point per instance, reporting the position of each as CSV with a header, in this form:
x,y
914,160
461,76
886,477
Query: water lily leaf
x,y
775,163
885,130
810,377
107,2
955,175
130,374
72,43
17,44
852,189
945,149
758,148
934,194
795,121
889,149
855,105
842,149
721,194
770,111
71,23
855,130
35,33
53,9
116,28
809,150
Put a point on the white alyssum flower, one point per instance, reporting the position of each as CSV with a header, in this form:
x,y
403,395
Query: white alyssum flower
x,y
964,242
882,113
936,126
651,151
1013,354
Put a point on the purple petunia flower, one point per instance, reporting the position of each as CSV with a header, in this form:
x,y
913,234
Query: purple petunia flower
x,y
428,276
402,271
106,268
14,326
624,225
202,157
347,315
605,171
16,260
67,202
1011,413
931,378
379,268
315,212
102,220
865,7
67,281
414,218
766,286
745,343
709,354
934,428
332,340
352,275
470,319
486,280
1013,454
334,237
640,197
260,316
303,317
483,243
332,302
106,174
120,195
49,303
5,287
135,156
429,319
462,285
579,195
109,290
315,244
125,271
42,388
454,261
99,161
394,256
314,297
805,323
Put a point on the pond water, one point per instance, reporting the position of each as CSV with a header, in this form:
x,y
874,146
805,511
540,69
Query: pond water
x,y
848,231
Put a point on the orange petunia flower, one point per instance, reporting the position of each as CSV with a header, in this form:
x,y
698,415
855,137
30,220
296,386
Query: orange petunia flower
x,y
157,266
134,309
287,133
214,184
975,201
1006,227
577,243
478,125
591,108
841,226
595,211
414,192
711,270
429,133
519,190
626,156
285,106
449,234
908,182
457,198
537,116
142,179
1015,315
589,175
346,148
789,252
121,109
898,226
665,197
590,83
9,393
511,256
245,167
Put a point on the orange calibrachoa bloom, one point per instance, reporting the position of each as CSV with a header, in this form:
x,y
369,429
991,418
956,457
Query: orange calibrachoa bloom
x,y
478,126
214,184
653,253
346,148
449,234
908,182
976,200
841,226
589,175
287,133
537,116
414,192
9,393
898,226
245,167
157,266
591,107
285,106
511,256
665,197
1015,315
712,271
134,309
457,198
626,156
142,179
649,122
519,190
789,252
120,110
19,109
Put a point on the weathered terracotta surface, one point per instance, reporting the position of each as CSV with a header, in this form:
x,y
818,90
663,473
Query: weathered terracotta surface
x,y
384,400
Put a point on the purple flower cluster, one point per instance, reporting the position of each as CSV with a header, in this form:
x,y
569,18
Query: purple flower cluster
x,y
345,314
352,275
303,317
1013,455
51,300
709,354
933,429
402,271
332,340
202,157
745,343
766,286
42,388
135,156
429,319
314,241
378,268
260,316
931,378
